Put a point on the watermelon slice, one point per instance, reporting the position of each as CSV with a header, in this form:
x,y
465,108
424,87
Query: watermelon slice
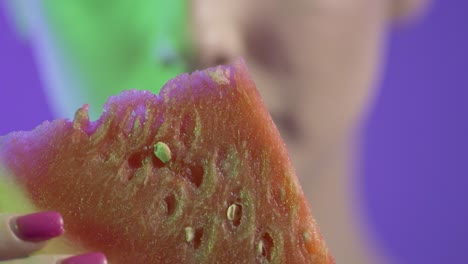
x,y
196,174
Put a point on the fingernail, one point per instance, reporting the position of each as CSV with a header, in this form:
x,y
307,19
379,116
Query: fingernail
x,y
91,258
38,226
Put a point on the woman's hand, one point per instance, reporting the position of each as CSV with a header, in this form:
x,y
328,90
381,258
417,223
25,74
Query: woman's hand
x,y
20,236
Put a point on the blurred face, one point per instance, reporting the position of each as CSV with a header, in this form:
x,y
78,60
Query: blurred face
x,y
314,63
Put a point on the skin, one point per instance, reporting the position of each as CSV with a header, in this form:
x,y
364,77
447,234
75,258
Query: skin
x,y
315,62
14,250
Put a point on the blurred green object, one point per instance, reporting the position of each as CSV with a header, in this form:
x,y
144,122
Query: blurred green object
x,y
12,198
119,45
108,47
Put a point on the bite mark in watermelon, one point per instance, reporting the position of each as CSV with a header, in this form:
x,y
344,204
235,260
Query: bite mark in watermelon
x,y
197,174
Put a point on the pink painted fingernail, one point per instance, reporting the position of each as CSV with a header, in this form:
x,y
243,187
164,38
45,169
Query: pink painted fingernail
x,y
38,226
91,258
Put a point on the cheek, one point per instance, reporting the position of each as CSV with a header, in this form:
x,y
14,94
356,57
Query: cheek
x,y
337,73
320,68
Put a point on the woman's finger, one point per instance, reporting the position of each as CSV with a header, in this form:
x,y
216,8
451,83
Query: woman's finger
x,y
92,258
22,235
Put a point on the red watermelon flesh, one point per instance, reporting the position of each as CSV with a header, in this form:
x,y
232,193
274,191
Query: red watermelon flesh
x,y
197,174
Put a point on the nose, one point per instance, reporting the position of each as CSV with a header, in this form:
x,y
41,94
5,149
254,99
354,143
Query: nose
x,y
216,32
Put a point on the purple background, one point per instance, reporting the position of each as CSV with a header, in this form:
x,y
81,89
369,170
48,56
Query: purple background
x,y
22,102
415,141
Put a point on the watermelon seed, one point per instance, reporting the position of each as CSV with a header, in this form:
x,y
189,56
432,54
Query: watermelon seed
x,y
189,234
171,204
193,236
265,246
261,248
162,151
234,214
